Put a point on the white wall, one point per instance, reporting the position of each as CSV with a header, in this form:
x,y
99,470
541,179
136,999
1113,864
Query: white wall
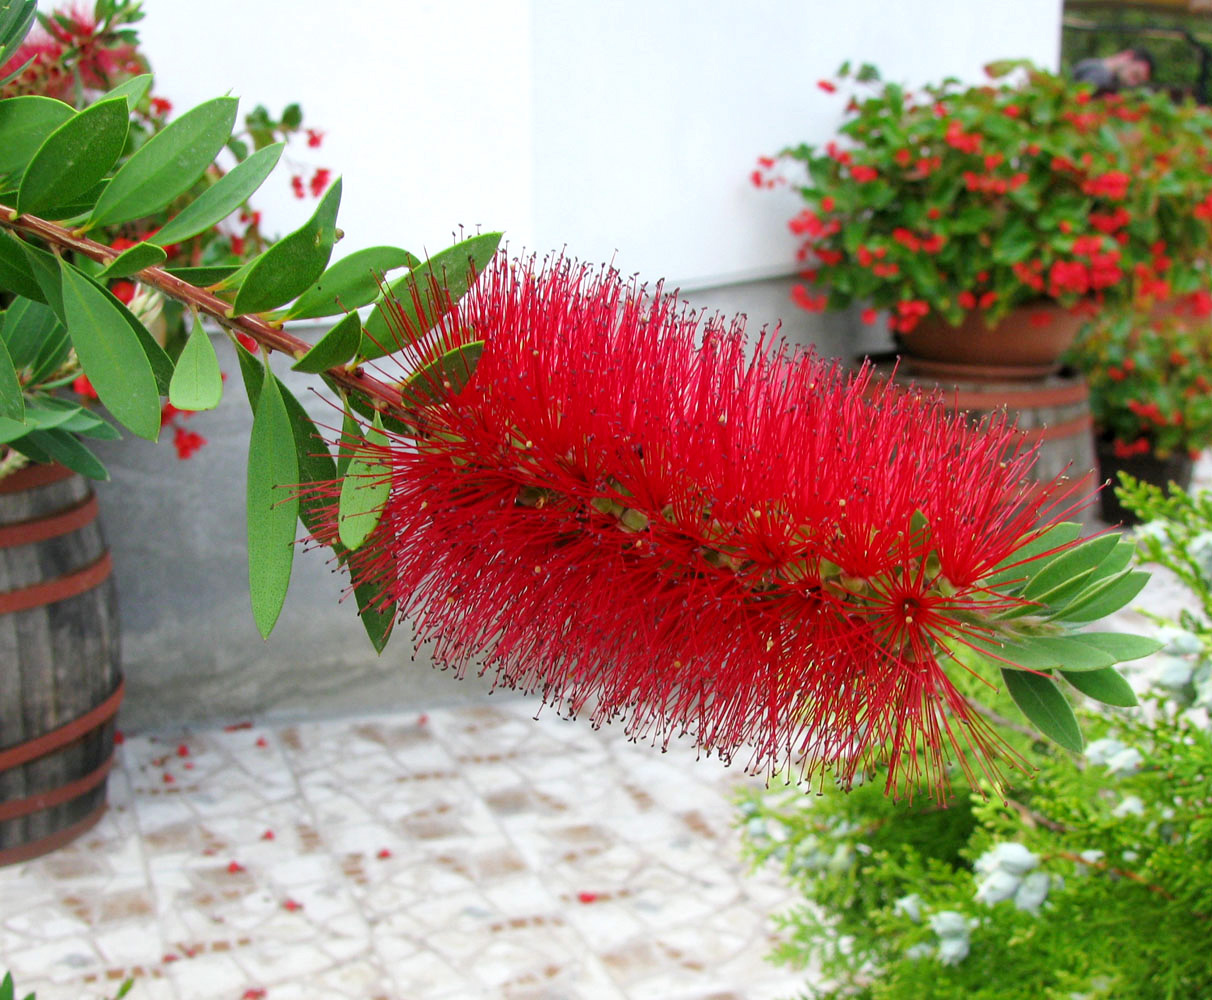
x,y
622,129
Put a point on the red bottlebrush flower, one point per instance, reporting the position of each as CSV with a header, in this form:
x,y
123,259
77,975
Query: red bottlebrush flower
x,y
595,515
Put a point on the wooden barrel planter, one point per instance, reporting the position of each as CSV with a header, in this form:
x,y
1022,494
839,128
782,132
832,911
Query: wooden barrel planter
x,y
1052,410
60,677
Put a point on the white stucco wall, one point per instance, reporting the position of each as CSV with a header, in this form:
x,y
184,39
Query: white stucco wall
x,y
622,129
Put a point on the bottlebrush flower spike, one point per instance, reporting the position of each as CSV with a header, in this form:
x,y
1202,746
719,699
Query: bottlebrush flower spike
x,y
628,512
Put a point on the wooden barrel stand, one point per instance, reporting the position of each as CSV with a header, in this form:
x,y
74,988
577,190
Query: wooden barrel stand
x,y
60,677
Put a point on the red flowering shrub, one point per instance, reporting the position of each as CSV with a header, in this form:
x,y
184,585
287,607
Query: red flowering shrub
x,y
1150,379
626,512
993,196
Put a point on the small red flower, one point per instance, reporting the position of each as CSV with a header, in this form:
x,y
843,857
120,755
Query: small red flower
x,y
235,868
587,897
186,442
182,750
869,316
314,138
383,854
828,86
123,291
296,184
247,343
167,778
161,105
291,906
262,741
267,835
253,994
863,174
319,181
81,386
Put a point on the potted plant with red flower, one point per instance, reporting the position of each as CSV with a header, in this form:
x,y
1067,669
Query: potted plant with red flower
x,y
955,207
1150,379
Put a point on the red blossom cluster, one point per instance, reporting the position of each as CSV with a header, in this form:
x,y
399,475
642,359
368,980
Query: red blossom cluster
x,y
595,516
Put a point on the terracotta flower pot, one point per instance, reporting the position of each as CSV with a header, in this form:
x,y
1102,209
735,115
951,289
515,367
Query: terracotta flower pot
x,y
1147,467
1027,343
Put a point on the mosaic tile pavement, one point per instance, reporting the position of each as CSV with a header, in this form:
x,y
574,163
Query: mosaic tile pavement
x,y
466,853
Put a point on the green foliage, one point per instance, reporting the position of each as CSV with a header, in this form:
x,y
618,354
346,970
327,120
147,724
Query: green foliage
x,y
1092,878
962,199
1150,379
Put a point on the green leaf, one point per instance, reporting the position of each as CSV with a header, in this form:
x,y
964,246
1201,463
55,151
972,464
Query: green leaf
x,y
1121,645
52,353
453,271
202,277
134,90
16,274
1104,597
45,269
316,463
443,377
273,471
197,382
25,122
336,347
63,447
293,264
252,372
364,490
167,165
6,986
1118,560
111,354
351,434
351,282
75,156
1042,702
1061,570
378,622
1018,565
12,403
1104,685
134,259
162,365
1072,652
222,198
25,329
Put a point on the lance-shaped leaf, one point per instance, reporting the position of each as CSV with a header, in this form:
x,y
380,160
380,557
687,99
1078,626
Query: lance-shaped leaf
x,y
16,17
316,463
1041,701
378,621
63,447
25,328
134,90
336,347
75,156
12,404
203,277
25,122
293,264
16,272
197,382
351,282
134,259
273,507
222,198
1104,597
364,490
442,377
1021,564
438,284
1104,685
111,355
167,165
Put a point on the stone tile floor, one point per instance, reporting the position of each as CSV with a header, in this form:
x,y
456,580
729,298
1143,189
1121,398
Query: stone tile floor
x,y
465,853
